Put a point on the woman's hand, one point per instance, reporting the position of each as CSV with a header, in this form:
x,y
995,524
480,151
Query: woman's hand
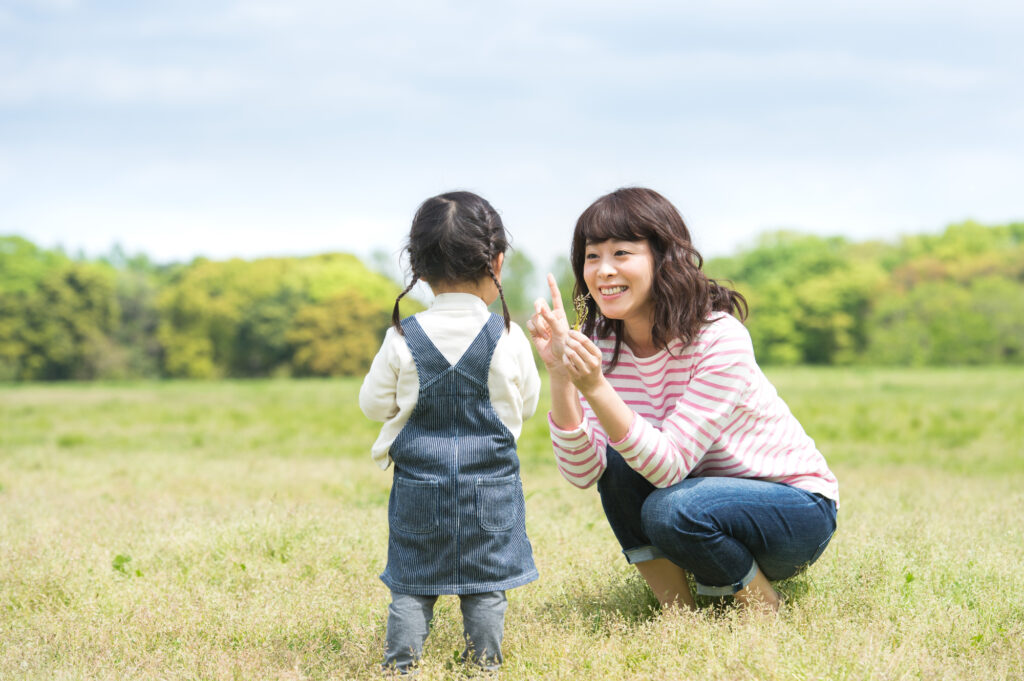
x,y
574,364
582,361
549,329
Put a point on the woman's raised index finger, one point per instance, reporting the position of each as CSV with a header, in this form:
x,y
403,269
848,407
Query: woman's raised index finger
x,y
556,296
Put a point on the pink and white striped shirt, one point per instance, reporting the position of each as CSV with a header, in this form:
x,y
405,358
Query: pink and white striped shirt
x,y
702,410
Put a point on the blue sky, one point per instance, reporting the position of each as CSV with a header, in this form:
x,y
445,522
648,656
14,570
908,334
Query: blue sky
x,y
256,128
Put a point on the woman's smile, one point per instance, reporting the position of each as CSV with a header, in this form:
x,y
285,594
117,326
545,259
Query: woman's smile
x,y
619,274
611,291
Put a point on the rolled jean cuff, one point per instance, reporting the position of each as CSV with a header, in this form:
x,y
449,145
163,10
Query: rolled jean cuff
x,y
642,554
728,589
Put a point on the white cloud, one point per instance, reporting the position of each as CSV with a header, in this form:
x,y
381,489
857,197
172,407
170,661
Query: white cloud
x,y
76,80
261,125
179,234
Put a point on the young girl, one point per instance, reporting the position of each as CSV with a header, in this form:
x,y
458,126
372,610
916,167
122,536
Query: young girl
x,y
701,467
453,385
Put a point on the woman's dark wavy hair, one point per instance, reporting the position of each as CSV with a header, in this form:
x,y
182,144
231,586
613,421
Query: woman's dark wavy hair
x,y
454,238
683,295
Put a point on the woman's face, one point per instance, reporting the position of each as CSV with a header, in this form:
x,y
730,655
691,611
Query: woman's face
x,y
620,275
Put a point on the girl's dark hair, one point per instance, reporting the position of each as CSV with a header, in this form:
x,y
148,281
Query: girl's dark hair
x,y
683,295
454,237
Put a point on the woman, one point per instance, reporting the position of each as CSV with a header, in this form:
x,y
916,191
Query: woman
x,y
701,467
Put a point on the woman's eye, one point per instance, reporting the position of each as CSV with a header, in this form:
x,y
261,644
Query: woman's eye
x,y
590,256
620,252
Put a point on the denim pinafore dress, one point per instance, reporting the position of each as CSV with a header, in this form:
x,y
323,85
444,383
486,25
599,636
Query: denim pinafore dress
x,y
456,513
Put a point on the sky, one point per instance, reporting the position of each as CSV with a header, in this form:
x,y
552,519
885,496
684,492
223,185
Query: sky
x,y
247,129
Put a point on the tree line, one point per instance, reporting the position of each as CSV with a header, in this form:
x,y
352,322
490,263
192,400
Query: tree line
x,y
925,300
119,317
950,298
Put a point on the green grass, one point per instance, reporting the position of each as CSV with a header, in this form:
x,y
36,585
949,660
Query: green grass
x,y
236,530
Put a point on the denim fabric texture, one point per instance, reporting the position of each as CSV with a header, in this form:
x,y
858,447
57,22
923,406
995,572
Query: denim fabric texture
x,y
483,622
721,530
456,512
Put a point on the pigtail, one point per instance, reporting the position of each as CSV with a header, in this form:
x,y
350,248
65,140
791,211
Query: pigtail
x,y
501,293
395,315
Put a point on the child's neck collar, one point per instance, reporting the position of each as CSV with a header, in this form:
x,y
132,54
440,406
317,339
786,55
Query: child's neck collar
x,y
456,287
482,288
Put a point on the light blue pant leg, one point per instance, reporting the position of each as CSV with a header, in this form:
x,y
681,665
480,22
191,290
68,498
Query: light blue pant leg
x,y
483,622
408,625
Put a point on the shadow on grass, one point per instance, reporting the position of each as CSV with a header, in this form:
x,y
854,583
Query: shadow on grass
x,y
601,607
629,601
795,588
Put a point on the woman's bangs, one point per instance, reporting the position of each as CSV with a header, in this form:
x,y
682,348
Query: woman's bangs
x,y
610,222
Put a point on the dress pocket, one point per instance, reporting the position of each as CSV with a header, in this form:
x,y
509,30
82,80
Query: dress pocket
x,y
497,503
414,506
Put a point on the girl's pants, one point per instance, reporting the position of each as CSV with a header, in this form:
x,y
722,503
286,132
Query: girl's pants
x,y
483,622
721,530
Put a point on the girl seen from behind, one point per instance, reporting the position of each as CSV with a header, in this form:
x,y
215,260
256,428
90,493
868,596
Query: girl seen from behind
x,y
452,386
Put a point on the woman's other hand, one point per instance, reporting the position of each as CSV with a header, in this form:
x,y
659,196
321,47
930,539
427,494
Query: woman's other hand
x,y
582,361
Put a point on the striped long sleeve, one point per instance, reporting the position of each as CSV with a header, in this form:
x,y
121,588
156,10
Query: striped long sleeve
x,y
702,410
580,452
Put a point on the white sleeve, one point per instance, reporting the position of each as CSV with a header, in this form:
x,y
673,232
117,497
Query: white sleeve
x,y
378,394
529,378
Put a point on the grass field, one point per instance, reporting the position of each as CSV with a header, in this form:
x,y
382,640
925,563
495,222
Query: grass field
x,y
236,530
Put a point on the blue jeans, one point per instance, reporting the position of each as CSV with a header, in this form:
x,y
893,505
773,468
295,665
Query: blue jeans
x,y
483,622
721,530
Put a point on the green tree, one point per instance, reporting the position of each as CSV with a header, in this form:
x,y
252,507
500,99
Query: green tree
x,y
249,318
136,349
809,297
23,265
774,311
944,322
199,313
262,345
67,322
338,337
